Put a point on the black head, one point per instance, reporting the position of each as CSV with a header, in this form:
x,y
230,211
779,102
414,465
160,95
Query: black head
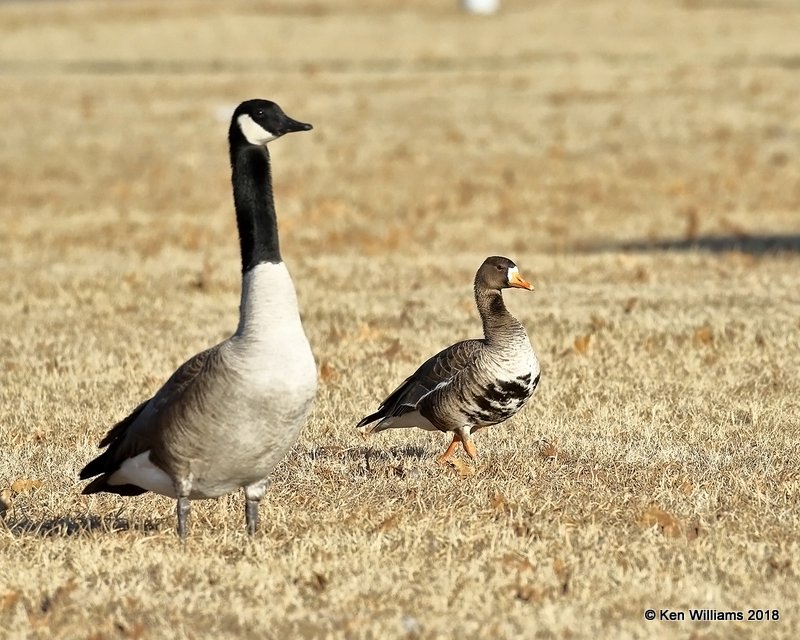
x,y
258,122
499,273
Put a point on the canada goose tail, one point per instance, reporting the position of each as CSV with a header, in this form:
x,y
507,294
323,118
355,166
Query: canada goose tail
x,y
96,467
103,466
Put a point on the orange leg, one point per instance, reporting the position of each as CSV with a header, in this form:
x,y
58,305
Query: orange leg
x,y
442,459
469,447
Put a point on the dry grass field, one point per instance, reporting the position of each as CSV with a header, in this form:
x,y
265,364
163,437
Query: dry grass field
x,y
640,162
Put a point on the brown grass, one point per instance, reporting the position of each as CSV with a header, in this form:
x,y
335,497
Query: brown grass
x,y
635,160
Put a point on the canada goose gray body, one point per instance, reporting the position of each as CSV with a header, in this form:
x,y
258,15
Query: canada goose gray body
x,y
474,383
228,415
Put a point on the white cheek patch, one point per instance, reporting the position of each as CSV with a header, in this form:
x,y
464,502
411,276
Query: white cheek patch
x,y
254,132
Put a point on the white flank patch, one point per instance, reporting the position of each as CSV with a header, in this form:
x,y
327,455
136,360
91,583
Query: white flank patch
x,y
143,473
410,419
254,132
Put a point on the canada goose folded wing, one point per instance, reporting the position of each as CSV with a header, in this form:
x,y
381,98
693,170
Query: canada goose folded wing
x,y
134,434
433,372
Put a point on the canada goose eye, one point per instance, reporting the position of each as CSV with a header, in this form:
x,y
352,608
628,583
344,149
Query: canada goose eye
x,y
260,113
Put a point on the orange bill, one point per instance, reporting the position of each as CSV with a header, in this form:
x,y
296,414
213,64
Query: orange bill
x,y
518,281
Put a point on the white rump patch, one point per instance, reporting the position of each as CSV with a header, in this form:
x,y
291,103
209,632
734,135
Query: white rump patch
x,y
254,132
143,473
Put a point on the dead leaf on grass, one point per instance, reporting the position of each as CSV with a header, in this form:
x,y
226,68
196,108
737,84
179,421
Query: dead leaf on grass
x,y
668,524
548,450
517,562
582,344
500,504
704,335
25,484
630,305
8,600
327,372
390,523
464,469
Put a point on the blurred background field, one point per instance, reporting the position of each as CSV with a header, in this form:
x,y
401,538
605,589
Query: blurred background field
x,y
639,161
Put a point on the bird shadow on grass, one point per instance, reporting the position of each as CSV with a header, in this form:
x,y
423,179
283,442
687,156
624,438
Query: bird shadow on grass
x,y
364,452
752,244
67,526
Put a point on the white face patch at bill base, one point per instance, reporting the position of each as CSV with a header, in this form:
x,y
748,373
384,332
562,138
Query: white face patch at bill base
x,y
253,132
511,272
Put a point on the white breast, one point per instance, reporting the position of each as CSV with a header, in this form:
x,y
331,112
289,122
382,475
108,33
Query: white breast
x,y
270,344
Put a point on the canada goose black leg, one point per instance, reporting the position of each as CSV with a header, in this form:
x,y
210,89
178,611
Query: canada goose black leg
x,y
183,514
251,516
253,494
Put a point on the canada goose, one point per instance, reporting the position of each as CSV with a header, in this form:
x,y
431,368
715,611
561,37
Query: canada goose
x,y
474,383
228,415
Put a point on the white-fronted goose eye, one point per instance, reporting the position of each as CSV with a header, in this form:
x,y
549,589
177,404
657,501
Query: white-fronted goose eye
x,y
228,415
474,383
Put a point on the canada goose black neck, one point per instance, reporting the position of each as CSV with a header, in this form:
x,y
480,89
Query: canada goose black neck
x,y
254,124
251,176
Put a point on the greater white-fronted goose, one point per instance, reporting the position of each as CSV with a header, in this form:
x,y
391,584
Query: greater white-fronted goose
x,y
228,415
474,383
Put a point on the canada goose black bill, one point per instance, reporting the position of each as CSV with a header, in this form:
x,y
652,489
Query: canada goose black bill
x,y
228,415
474,383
